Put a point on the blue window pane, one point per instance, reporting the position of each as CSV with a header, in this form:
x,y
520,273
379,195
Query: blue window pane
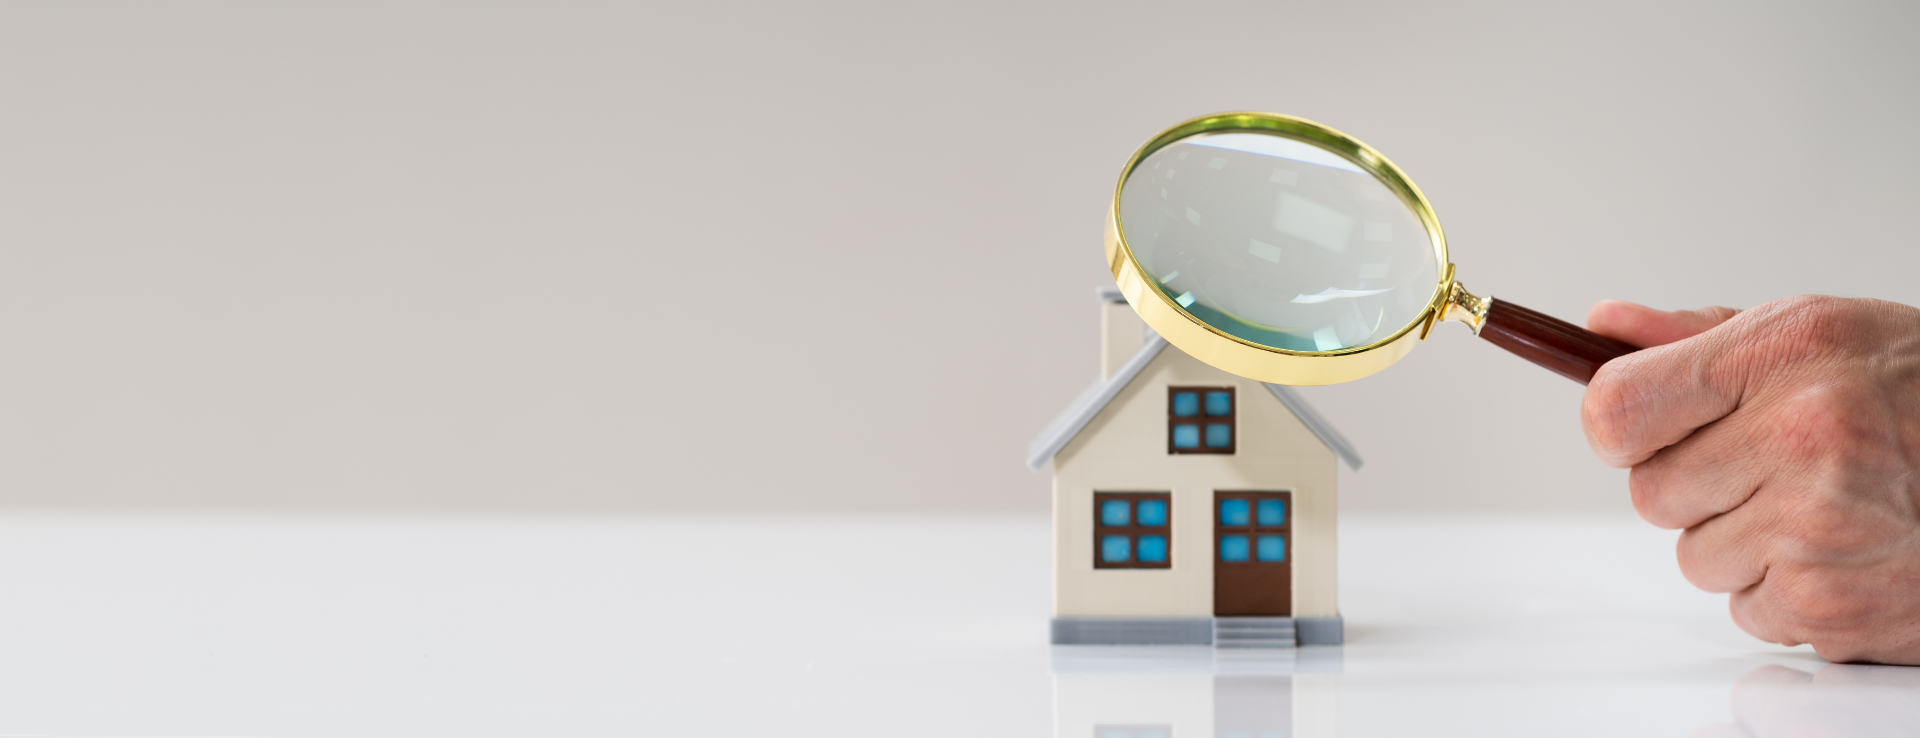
x,y
1114,549
1219,435
1113,512
1186,404
1233,512
1270,548
1272,512
1219,404
1153,513
1186,436
1233,548
1154,549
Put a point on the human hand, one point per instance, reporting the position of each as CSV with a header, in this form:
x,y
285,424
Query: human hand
x,y
1785,440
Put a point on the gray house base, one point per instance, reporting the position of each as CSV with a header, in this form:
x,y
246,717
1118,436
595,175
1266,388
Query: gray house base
x,y
1321,631
1185,631
1132,631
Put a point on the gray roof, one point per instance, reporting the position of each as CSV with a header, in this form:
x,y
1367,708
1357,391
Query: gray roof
x,y
1093,399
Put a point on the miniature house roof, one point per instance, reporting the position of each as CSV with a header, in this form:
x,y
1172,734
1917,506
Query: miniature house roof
x,y
1092,400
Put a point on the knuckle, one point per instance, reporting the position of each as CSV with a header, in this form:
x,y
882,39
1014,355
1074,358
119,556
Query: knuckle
x,y
1694,564
1828,525
1805,324
1818,425
1744,608
1713,568
1822,530
1817,308
1716,561
1821,607
1651,492
1718,314
1841,650
1607,412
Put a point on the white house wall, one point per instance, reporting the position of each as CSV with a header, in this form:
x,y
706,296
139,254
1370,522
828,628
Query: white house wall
x,y
1124,449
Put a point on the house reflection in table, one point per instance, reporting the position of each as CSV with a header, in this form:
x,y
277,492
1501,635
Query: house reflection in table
x,y
1194,692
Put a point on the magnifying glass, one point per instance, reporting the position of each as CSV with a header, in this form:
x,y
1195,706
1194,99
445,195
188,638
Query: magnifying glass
x,y
1285,251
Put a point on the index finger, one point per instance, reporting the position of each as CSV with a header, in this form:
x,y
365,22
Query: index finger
x,y
1651,399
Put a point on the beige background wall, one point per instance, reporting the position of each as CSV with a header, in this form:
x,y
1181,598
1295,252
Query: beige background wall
x,y
838,255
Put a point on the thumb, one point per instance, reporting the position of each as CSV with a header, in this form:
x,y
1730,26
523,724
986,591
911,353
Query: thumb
x,y
1645,327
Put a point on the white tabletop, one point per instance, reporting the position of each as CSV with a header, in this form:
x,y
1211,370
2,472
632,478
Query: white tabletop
x,y
480,625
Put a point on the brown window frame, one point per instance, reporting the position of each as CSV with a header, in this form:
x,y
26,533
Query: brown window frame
x,y
1132,530
1203,420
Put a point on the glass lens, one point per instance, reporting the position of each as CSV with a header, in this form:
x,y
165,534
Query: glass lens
x,y
1278,242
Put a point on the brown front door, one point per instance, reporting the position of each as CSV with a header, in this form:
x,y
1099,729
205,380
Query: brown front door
x,y
1252,553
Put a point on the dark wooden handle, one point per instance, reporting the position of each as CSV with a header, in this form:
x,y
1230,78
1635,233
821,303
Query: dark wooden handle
x,y
1567,349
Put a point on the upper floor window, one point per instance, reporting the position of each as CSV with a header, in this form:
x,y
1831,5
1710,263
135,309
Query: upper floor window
x,y
1200,420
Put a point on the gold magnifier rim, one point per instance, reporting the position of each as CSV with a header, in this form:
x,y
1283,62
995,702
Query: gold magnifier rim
x,y
1238,355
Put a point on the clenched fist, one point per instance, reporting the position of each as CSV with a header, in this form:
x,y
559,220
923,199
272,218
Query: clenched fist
x,y
1785,440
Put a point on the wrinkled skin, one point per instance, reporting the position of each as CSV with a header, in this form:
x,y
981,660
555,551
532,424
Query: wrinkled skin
x,y
1785,440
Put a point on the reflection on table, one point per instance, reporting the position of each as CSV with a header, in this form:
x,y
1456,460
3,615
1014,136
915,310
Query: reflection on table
x,y
1181,692
1836,701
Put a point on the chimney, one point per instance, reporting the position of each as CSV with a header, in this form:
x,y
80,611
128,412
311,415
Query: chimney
x,y
1121,331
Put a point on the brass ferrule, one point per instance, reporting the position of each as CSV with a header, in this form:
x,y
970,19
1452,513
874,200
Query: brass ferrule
x,y
1456,303
1466,307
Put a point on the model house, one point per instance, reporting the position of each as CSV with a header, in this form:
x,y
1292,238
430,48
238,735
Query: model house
x,y
1190,506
